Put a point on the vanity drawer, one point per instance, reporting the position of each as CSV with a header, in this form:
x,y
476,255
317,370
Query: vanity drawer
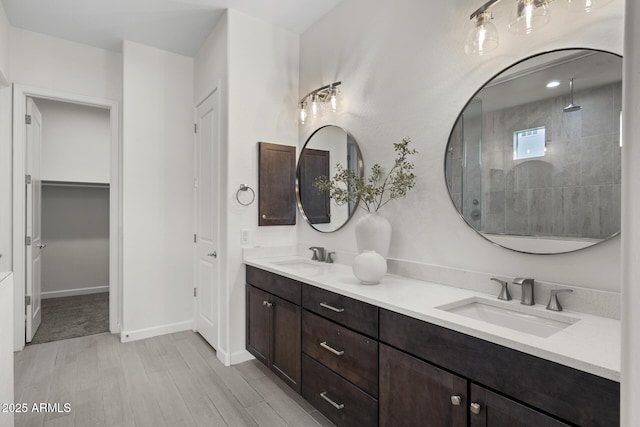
x,y
280,286
357,315
348,353
339,400
529,379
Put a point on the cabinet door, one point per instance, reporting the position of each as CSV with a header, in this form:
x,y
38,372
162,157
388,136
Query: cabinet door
x,y
489,409
416,393
258,325
276,184
285,361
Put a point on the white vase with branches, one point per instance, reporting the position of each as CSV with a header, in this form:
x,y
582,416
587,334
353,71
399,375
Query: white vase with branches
x,y
373,231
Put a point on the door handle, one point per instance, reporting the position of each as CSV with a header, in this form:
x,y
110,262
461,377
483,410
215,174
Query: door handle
x,y
42,245
213,254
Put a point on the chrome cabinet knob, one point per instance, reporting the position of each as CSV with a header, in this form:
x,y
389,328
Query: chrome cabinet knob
x,y
264,216
213,254
456,400
475,408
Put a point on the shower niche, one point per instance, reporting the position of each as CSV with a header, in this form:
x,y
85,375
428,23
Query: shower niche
x,y
533,160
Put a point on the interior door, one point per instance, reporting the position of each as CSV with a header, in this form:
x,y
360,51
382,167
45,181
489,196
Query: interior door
x,y
207,218
34,244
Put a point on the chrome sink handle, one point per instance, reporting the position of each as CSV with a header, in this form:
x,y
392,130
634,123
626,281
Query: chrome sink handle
x,y
318,253
504,293
554,304
527,290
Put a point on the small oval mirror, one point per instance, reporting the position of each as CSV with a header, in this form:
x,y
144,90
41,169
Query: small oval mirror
x,y
326,147
533,160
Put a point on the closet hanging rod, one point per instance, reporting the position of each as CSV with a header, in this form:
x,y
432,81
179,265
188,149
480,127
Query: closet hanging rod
x,y
49,183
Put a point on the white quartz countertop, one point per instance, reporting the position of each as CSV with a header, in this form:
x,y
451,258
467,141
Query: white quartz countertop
x,y
592,344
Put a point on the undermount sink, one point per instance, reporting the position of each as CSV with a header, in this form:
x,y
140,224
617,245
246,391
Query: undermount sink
x,y
300,265
519,318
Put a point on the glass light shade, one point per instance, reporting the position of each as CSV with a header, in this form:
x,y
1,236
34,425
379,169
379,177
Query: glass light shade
x,y
483,37
315,108
302,112
333,100
528,16
586,5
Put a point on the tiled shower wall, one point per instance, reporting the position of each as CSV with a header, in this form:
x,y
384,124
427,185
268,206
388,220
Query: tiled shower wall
x,y
572,191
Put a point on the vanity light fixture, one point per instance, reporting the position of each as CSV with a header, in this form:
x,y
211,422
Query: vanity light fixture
x,y
326,97
527,16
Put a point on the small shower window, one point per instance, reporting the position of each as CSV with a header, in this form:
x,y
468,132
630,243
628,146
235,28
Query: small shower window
x,y
528,143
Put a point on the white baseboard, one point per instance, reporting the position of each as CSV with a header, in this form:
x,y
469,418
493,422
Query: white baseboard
x,y
140,334
233,358
74,292
241,356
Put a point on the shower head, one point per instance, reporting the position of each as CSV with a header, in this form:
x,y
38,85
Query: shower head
x,y
571,107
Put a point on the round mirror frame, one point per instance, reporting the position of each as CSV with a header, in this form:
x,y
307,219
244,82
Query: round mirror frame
x,y
350,139
453,130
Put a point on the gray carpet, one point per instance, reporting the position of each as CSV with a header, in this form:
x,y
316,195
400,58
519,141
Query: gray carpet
x,y
71,317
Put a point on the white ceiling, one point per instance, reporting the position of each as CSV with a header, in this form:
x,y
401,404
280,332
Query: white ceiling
x,y
179,26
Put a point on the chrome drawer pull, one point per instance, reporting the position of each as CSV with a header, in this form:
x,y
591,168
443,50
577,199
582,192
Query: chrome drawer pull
x,y
337,310
331,349
334,404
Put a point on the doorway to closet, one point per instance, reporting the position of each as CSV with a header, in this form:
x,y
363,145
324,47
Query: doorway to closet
x,y
66,216
74,219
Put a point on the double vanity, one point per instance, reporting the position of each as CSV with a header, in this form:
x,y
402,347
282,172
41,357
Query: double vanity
x,y
408,352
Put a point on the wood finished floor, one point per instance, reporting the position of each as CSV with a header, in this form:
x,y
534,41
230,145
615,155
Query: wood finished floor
x,y
172,380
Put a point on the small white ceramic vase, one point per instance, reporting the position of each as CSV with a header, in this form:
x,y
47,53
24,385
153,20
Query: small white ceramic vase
x,y
369,267
373,233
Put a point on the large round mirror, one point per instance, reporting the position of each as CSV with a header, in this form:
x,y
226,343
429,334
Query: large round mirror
x,y
325,148
533,160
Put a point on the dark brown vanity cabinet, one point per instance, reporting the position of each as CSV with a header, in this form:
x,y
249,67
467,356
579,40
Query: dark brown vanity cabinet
x,y
273,324
524,387
361,365
417,393
340,357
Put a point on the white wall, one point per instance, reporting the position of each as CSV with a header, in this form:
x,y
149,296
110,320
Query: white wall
x,y
6,346
52,63
630,384
263,97
76,142
75,227
404,72
157,191
5,143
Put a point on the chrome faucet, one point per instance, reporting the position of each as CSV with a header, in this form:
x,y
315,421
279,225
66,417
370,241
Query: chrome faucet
x,y
554,304
527,290
318,253
504,292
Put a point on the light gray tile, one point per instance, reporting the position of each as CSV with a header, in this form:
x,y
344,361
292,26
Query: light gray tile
x,y
517,212
596,160
597,110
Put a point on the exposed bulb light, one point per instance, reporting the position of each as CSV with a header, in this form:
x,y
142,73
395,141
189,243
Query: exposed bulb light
x,y
302,112
483,37
334,99
528,16
586,6
324,98
315,107
553,83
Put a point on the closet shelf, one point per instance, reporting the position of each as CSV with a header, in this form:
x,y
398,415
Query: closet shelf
x,y
48,183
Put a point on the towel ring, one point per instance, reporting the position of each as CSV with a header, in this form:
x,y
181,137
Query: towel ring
x,y
245,187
